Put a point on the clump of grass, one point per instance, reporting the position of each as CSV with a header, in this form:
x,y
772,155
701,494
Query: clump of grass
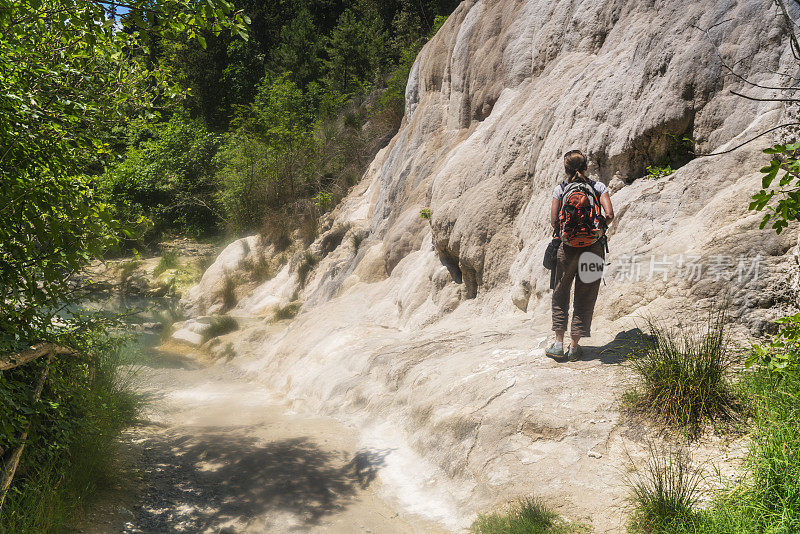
x,y
276,229
258,268
664,492
261,268
169,260
659,171
204,262
126,269
308,227
356,239
767,498
683,376
221,325
306,265
287,312
527,516
228,292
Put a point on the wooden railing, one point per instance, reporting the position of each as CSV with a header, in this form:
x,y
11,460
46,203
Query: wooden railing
x,y
10,461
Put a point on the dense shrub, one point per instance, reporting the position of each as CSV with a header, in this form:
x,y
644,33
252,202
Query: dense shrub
x,y
70,453
266,164
168,175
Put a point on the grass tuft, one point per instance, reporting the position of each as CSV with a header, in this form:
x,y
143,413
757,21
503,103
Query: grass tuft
x,y
126,269
229,299
527,516
307,264
221,325
287,312
683,377
356,240
664,492
169,260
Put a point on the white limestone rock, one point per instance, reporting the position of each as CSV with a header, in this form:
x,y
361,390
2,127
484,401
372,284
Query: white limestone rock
x,y
434,345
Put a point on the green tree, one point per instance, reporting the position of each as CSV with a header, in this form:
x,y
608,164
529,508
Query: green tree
x,y
355,49
299,50
68,75
169,178
265,164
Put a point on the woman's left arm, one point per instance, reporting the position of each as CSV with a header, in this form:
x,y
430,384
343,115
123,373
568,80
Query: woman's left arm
x,y
608,209
554,207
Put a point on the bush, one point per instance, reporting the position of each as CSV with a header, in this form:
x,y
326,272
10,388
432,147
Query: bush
x,y
664,493
528,516
781,356
266,163
682,376
780,199
168,176
656,171
307,264
70,454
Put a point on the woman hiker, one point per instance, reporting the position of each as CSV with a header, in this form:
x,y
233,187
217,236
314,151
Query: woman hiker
x,y
580,223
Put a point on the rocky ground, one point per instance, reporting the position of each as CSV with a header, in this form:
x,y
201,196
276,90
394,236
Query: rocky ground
x,y
216,453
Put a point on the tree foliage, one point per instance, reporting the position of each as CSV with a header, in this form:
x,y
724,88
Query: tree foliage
x,y
68,75
300,108
266,162
780,195
168,176
354,49
781,356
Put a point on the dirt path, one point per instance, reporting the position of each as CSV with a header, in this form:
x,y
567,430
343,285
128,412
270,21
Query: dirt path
x,y
216,454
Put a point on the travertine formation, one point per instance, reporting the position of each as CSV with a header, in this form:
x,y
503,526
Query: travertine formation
x,y
432,330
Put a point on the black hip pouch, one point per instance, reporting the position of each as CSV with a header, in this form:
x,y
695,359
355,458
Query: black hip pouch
x,y
549,261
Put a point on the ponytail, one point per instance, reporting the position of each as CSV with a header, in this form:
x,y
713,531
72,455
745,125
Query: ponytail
x,y
578,177
575,166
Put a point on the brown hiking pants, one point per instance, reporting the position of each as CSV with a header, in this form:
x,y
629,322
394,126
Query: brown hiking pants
x,y
586,288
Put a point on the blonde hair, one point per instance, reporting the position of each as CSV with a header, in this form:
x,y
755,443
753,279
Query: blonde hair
x,y
575,166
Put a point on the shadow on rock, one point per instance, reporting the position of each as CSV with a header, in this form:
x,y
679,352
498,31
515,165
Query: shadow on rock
x,y
366,464
624,345
204,483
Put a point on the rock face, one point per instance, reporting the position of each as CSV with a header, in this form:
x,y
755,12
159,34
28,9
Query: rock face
x,y
419,324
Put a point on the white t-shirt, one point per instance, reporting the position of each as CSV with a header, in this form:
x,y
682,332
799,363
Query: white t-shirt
x,y
600,187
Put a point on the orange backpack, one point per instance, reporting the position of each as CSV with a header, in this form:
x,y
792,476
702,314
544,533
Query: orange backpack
x,y
580,219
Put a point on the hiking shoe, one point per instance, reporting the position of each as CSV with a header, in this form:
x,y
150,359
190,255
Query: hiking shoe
x,y
554,352
574,353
